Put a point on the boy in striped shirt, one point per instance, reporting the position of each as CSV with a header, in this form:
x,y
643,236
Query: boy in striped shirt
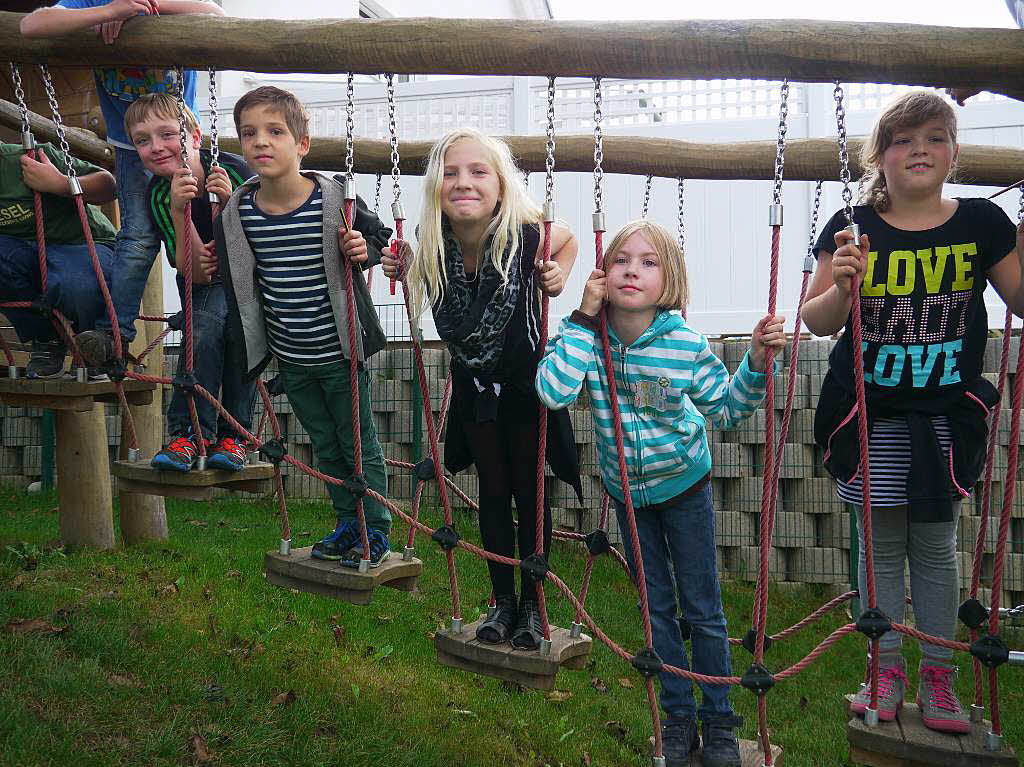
x,y
152,122
667,381
283,252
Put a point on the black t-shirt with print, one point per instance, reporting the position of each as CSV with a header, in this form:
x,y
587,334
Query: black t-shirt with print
x,y
923,317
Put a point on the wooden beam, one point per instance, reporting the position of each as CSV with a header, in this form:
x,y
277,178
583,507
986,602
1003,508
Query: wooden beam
x,y
802,50
85,145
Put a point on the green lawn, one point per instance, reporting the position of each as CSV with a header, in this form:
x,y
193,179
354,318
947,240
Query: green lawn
x,y
181,653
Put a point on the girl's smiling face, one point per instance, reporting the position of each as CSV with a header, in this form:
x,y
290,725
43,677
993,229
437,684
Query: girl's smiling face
x,y
470,188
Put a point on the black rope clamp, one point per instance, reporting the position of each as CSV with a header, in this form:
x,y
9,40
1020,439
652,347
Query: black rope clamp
x,y
424,470
750,641
176,321
445,537
990,651
647,662
972,613
597,542
535,567
274,450
684,627
185,382
275,386
357,485
43,306
873,623
757,679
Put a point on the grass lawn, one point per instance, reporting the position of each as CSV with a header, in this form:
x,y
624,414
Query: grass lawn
x,y
180,653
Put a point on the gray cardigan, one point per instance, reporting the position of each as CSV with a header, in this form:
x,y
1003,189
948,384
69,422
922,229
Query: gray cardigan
x,y
238,270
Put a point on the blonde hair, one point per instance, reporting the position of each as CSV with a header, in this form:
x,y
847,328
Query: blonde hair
x,y
281,101
158,105
676,293
908,111
427,273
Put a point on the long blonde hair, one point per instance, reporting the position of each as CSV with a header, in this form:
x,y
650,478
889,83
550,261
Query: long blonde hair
x,y
908,111
676,293
427,273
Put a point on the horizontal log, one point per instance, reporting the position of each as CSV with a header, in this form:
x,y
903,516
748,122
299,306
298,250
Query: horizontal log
x,y
85,145
804,51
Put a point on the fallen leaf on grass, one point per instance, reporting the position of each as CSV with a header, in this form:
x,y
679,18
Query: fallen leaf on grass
x,y
339,635
464,712
586,759
19,580
384,618
382,653
233,574
121,680
200,752
598,684
616,730
170,590
558,696
32,626
239,529
284,698
207,594
626,682
197,522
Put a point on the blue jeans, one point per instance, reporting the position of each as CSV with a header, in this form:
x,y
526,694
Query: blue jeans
x,y
137,243
209,345
678,550
70,285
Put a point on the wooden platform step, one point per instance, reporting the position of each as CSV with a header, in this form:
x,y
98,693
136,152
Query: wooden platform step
x,y
906,742
751,754
140,477
300,571
68,394
528,668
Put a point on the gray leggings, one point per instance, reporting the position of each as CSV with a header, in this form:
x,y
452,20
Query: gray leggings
x,y
934,579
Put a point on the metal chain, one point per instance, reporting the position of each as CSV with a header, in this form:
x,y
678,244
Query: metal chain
x,y
19,94
598,146
681,224
549,146
393,131
179,78
647,195
51,96
376,196
350,127
844,155
526,179
814,219
214,137
1020,210
780,148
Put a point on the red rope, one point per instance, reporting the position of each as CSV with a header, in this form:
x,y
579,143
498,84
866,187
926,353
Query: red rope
x,y
37,203
542,445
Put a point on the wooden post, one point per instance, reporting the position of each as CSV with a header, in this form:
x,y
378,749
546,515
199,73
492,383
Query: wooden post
x,y
83,486
143,517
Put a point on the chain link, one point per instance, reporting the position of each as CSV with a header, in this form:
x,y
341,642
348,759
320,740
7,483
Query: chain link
x,y
647,195
51,96
780,148
844,155
376,196
179,79
681,224
1020,210
214,136
393,131
19,94
549,146
598,146
350,127
814,219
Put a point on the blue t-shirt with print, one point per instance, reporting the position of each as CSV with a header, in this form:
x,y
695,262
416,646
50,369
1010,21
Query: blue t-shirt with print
x,y
118,88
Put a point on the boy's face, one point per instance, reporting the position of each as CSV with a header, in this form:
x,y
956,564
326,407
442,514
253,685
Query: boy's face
x,y
268,147
157,141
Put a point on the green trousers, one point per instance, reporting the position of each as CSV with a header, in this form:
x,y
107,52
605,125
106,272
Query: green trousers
x,y
321,397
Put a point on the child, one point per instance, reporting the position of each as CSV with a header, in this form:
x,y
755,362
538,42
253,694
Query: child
x,y
71,282
152,122
924,260
282,266
137,241
478,265
667,380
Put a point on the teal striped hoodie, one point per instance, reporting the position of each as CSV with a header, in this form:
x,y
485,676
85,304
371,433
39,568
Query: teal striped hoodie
x,y
668,381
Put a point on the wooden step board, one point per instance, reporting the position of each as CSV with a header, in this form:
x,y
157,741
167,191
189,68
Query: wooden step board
x,y
527,667
906,742
140,477
751,754
299,570
68,394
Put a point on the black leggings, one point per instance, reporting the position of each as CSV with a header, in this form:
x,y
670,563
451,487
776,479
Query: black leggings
x,y
505,454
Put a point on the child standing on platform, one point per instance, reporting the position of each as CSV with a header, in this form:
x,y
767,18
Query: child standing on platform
x,y
922,264
668,380
478,266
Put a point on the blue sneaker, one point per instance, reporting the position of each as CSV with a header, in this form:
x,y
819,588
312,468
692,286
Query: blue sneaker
x,y
380,549
228,454
335,544
179,455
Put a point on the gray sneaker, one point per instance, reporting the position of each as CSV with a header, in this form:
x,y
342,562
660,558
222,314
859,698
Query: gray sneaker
x,y
892,684
96,348
47,360
940,709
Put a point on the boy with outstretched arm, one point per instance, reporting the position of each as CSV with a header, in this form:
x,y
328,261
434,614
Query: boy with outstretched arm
x,y
282,247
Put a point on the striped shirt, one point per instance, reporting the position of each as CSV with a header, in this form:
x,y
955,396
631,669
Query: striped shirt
x,y
293,284
668,381
889,456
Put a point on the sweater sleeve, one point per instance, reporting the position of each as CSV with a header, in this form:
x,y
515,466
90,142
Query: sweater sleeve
x,y
563,370
725,400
